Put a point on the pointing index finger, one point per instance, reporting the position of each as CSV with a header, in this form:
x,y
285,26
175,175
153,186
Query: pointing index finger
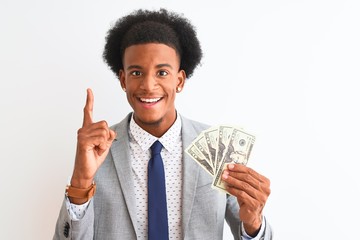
x,y
88,109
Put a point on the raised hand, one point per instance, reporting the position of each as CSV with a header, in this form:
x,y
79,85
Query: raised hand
x,y
93,144
251,190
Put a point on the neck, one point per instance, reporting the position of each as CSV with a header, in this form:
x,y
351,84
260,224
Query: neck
x,y
156,128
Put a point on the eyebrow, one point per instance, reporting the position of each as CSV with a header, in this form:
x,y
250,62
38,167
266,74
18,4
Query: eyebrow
x,y
157,66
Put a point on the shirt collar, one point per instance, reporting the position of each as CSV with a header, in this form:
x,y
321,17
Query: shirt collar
x,y
145,139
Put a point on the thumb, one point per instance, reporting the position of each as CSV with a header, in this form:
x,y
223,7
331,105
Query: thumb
x,y
113,135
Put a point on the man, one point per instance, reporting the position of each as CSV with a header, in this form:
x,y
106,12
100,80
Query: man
x,y
152,53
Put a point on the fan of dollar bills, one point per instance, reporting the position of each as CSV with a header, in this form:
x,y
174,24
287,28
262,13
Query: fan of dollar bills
x,y
218,146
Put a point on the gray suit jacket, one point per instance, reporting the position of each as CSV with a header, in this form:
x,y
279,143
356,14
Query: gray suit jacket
x,y
111,214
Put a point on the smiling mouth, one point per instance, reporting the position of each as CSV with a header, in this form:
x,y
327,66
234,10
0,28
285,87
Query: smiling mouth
x,y
149,100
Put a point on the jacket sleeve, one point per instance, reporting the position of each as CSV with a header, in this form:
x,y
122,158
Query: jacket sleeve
x,y
69,229
233,220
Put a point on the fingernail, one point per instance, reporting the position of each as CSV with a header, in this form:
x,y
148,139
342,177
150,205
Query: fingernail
x,y
231,166
225,175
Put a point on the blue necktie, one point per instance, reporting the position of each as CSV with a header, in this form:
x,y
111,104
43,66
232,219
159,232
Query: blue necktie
x,y
157,208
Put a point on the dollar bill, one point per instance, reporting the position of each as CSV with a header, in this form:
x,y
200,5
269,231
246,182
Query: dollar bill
x,y
218,146
223,141
200,143
196,154
211,137
237,152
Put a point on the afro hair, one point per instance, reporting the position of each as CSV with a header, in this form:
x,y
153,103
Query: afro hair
x,y
144,26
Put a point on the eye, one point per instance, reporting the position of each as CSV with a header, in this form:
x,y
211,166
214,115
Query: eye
x,y
163,73
135,73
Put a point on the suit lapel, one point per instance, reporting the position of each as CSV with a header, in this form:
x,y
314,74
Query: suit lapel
x,y
190,172
120,151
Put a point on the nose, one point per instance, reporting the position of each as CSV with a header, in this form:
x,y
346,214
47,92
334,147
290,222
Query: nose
x,y
149,82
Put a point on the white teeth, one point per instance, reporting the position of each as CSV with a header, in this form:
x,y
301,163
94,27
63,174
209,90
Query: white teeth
x,y
149,100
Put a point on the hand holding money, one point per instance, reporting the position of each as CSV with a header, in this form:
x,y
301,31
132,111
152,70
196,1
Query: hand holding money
x,y
251,190
224,151
218,146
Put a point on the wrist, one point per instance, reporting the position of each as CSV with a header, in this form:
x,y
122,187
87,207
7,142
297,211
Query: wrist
x,y
254,228
79,182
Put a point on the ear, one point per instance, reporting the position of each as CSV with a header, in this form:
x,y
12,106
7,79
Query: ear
x,y
122,79
181,80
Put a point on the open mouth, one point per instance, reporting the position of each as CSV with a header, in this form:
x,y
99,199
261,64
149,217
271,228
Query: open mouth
x,y
149,100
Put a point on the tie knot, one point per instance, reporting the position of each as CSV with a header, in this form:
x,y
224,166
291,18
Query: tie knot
x,y
156,148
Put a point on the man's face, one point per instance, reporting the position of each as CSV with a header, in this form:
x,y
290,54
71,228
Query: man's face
x,y
151,77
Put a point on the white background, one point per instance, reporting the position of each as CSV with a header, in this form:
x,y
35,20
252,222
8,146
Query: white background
x,y
286,70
